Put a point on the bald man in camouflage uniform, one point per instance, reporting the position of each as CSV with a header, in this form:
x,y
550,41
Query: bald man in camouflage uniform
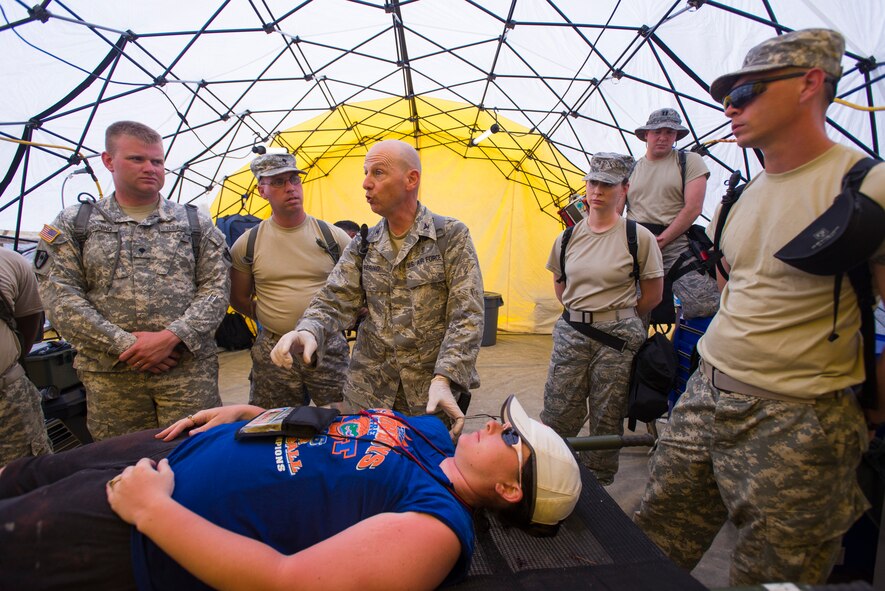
x,y
131,298
416,349
768,433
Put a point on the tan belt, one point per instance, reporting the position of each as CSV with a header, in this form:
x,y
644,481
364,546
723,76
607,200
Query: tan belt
x,y
270,333
591,317
11,375
723,381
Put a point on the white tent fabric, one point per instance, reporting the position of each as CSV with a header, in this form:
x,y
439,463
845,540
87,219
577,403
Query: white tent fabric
x,y
219,78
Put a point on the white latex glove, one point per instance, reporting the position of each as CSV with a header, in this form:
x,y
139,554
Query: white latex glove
x,y
296,341
440,397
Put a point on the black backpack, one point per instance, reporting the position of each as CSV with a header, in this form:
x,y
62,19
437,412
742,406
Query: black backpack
x,y
233,333
652,379
860,278
234,226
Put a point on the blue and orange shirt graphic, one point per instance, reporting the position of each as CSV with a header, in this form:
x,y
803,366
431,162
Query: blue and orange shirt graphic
x,y
380,428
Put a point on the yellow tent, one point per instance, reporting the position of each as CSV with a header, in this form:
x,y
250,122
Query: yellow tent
x,y
507,188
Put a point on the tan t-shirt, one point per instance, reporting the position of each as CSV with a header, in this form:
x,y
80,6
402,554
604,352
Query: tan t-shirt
x,y
655,194
288,269
598,266
773,322
18,286
139,213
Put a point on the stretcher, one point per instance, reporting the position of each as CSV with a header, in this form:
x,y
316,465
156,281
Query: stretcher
x,y
598,547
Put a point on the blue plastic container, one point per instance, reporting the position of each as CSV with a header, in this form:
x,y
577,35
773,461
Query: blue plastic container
x,y
685,339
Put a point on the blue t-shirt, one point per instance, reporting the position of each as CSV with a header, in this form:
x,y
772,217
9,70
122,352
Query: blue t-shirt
x,y
291,493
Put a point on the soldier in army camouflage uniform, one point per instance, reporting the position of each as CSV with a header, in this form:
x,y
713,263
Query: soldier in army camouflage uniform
x,y
290,263
768,433
22,428
131,298
422,334
598,290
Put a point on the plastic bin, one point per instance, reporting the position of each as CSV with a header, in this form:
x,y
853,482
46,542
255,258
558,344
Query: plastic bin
x,y
69,407
493,301
51,363
685,338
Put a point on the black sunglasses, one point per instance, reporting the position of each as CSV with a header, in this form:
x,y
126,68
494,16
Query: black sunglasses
x,y
741,96
511,438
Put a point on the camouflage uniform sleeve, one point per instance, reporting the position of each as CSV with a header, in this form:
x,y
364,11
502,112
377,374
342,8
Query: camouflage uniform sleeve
x,y
62,285
335,305
464,311
211,299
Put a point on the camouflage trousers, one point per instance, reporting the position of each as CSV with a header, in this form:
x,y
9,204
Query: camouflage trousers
x,y
273,387
698,294
22,429
782,472
127,401
587,378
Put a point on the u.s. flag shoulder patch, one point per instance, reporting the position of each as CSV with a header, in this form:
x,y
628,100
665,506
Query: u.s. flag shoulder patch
x,y
49,234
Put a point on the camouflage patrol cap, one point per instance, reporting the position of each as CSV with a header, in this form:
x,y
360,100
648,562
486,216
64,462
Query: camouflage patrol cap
x,y
609,167
808,48
663,118
271,164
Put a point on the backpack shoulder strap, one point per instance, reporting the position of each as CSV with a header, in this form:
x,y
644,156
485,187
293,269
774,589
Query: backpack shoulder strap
x,y
862,282
442,240
364,240
251,236
81,221
633,245
856,174
7,315
362,250
566,236
732,194
331,245
193,222
681,158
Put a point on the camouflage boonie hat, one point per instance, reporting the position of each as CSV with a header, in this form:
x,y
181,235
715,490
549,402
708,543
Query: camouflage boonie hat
x,y
611,168
809,48
663,118
271,164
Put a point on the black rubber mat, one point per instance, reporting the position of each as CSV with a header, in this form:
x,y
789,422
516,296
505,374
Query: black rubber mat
x,y
598,547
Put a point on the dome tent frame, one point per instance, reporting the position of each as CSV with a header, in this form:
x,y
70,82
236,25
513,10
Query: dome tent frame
x,y
218,80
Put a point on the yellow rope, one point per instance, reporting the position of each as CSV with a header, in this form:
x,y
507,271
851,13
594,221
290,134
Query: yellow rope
x,y
856,106
838,100
68,148
722,140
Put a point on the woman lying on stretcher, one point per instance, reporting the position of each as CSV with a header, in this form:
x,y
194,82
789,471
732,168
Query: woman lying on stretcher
x,y
377,500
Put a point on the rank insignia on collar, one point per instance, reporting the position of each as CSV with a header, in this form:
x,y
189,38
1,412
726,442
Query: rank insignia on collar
x,y
49,234
40,258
